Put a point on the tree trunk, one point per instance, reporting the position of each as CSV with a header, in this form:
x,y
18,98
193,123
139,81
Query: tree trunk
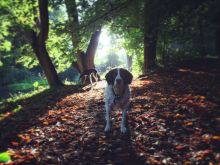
x,y
202,47
150,39
218,41
129,62
217,37
150,45
73,21
84,60
88,60
39,46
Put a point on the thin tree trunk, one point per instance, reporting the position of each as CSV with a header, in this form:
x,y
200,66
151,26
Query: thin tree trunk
x,y
39,46
150,45
73,20
150,39
202,47
129,62
79,61
88,61
218,42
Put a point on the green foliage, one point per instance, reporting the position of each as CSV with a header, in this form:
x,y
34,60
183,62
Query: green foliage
x,y
1,64
28,85
187,34
5,157
14,75
17,109
137,65
19,17
60,51
186,29
6,45
36,84
129,26
27,58
20,96
16,81
67,82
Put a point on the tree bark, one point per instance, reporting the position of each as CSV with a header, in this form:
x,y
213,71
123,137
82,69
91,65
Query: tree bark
x,y
39,46
129,62
73,20
150,39
84,60
217,37
218,41
150,46
88,62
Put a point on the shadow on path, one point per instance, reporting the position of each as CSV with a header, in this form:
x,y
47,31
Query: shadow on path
x,y
30,111
112,148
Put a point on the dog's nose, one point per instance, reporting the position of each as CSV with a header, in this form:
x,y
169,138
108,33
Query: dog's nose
x,y
118,81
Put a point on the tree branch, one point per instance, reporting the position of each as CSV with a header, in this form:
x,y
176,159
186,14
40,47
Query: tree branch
x,y
108,14
129,27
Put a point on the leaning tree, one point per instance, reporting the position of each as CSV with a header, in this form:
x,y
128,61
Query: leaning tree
x,y
39,45
85,27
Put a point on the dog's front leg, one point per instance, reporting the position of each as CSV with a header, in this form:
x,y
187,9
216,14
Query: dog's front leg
x,y
90,79
123,122
107,118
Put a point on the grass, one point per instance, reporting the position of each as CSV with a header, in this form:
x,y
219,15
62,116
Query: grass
x,y
23,90
28,85
20,96
13,102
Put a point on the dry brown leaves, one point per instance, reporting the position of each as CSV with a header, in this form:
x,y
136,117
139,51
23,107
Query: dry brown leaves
x,y
175,118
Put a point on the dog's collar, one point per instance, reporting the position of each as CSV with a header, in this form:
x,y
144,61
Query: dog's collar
x,y
117,97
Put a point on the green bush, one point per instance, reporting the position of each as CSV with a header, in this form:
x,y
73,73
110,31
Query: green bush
x,y
12,75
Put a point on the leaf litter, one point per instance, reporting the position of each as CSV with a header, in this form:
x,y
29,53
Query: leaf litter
x,y
174,119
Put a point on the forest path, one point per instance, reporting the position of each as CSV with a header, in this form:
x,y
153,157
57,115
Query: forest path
x,y
70,131
175,118
85,141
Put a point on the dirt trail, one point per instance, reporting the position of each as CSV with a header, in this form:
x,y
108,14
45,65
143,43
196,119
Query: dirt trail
x,y
71,132
175,118
87,143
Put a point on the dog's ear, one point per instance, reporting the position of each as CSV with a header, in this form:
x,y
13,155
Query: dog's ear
x,y
110,76
126,75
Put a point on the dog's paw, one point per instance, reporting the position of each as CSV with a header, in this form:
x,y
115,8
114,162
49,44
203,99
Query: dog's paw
x,y
123,130
107,128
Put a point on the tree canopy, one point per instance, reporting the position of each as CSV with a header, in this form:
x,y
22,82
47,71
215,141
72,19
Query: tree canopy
x,y
51,112
179,30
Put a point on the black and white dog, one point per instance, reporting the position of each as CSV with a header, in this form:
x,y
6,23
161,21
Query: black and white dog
x,y
90,74
117,94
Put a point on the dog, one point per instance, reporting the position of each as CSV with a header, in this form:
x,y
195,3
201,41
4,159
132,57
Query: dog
x,y
91,74
117,95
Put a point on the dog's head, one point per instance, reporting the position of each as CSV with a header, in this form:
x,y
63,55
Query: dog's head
x,y
118,77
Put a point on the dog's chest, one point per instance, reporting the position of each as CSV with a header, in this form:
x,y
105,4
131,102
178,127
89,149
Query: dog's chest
x,y
114,102
111,100
117,103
